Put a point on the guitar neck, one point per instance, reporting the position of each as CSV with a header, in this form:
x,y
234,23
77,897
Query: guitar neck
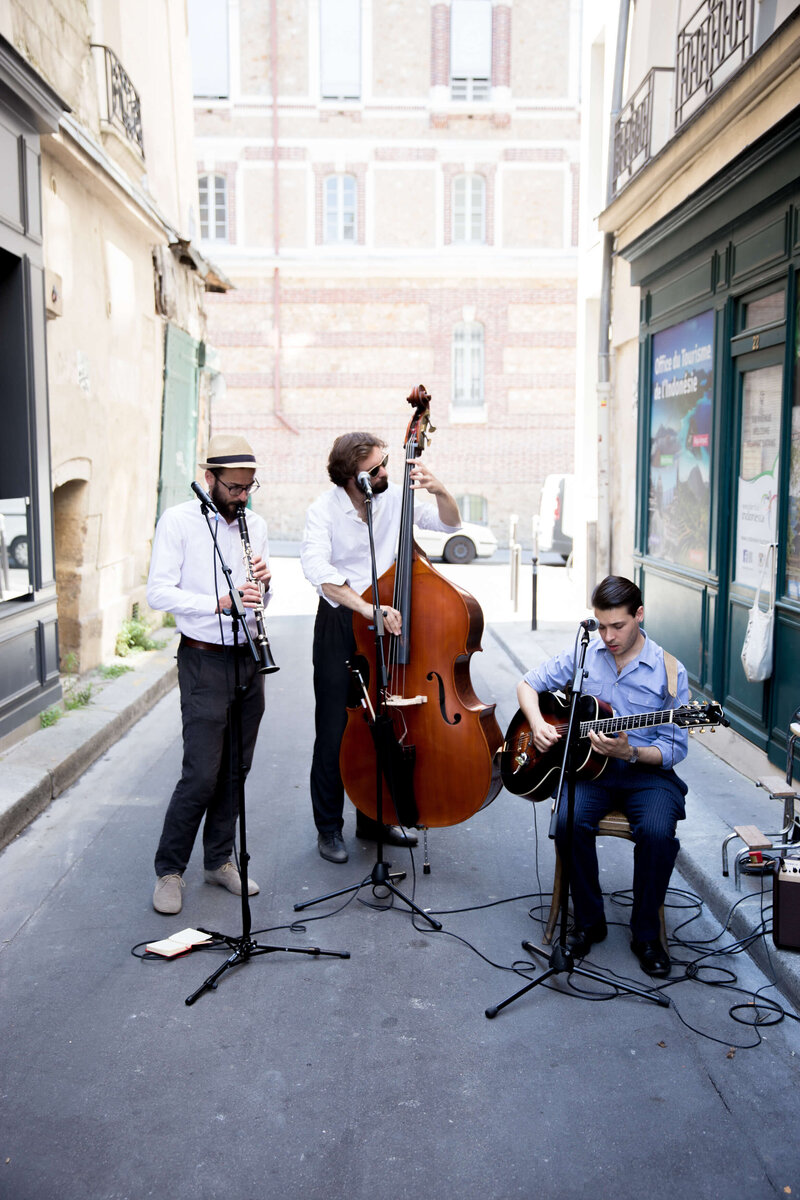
x,y
617,724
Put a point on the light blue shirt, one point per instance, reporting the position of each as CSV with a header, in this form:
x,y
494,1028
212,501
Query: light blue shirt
x,y
641,686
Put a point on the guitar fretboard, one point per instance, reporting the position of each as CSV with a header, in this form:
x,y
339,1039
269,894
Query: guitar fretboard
x,y
638,721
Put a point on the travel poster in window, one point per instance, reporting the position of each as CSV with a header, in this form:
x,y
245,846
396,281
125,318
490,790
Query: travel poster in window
x,y
680,442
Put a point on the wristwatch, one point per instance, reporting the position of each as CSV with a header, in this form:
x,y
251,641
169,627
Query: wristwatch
x,y
634,758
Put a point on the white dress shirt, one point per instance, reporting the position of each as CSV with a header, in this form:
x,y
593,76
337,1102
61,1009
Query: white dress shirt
x,y
184,567
335,545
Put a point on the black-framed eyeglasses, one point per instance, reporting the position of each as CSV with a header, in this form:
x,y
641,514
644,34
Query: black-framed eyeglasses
x,y
373,471
241,489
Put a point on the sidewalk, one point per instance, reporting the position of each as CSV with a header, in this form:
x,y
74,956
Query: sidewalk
x,y
46,763
37,770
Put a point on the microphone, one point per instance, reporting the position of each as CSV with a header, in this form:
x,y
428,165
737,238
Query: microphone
x,y
204,497
590,624
362,479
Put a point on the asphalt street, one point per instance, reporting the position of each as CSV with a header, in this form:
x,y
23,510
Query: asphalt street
x,y
315,1076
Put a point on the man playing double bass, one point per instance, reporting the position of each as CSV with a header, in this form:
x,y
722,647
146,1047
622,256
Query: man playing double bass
x,y
626,669
335,557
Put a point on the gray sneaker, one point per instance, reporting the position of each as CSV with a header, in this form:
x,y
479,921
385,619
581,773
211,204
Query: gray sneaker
x,y
228,877
167,896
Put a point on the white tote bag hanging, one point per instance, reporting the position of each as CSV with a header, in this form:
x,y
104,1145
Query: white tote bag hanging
x,y
757,648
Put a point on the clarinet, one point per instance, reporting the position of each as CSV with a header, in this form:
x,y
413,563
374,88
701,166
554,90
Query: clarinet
x,y
268,664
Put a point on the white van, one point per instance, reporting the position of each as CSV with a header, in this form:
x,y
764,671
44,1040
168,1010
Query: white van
x,y
556,509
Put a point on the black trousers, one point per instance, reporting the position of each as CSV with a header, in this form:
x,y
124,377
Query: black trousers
x,y
653,801
334,644
209,782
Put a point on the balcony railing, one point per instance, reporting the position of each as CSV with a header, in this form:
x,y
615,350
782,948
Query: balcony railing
x,y
706,54
633,131
474,88
123,109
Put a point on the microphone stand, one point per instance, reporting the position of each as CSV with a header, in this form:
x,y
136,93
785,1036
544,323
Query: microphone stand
x,y
380,875
561,959
243,947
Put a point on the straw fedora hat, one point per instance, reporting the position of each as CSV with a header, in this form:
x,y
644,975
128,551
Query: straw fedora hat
x,y
229,450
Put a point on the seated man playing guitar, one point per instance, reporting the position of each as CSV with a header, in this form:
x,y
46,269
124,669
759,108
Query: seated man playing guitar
x,y
626,669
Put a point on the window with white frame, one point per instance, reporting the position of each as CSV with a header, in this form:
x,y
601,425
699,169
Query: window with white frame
x,y
340,198
473,508
470,49
208,42
468,365
469,209
340,49
212,195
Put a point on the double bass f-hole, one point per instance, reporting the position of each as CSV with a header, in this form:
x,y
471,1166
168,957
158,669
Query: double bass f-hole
x,y
442,699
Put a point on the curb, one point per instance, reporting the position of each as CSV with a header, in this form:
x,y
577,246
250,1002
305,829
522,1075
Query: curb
x,y
719,896
43,765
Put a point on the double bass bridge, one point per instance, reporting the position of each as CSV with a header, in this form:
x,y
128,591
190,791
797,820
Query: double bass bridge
x,y
405,701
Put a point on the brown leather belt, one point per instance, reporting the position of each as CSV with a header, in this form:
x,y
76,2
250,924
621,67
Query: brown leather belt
x,y
213,646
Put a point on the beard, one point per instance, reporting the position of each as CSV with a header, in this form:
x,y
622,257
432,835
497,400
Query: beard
x,y
379,485
224,502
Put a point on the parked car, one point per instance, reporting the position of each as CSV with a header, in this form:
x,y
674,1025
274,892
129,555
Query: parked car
x,y
469,542
556,508
14,529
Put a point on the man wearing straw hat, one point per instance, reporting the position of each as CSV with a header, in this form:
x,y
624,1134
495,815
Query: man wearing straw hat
x,y
186,579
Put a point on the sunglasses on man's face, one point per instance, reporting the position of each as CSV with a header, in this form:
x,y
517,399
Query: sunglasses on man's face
x,y
373,471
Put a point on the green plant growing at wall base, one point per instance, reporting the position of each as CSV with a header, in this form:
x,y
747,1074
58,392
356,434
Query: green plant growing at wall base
x,y
113,670
50,716
135,635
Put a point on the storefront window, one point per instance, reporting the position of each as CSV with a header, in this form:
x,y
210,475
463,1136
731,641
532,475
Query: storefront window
x,y
680,442
757,494
793,518
764,311
15,559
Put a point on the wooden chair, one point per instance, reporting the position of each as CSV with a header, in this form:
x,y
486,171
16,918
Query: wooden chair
x,y
613,824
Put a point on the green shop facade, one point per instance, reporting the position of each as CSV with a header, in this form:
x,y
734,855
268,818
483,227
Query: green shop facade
x,y
718,487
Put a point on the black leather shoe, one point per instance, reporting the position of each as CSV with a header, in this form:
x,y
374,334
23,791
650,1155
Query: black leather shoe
x,y
653,958
393,835
582,940
332,847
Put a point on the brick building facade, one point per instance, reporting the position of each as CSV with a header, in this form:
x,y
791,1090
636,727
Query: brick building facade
x,y
393,191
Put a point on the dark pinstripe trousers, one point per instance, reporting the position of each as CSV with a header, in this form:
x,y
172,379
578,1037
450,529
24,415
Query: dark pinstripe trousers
x,y
334,644
209,782
653,801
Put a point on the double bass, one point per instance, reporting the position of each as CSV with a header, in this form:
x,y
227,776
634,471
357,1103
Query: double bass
x,y
438,741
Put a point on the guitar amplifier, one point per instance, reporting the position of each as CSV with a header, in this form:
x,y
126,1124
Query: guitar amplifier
x,y
786,904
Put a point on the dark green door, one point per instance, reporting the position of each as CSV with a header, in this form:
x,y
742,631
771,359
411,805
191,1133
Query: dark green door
x,y
763,498
179,418
755,483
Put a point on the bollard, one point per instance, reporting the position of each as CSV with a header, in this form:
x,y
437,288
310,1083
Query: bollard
x,y
516,563
534,573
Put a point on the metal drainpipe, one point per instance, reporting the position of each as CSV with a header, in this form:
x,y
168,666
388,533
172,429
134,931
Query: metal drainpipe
x,y
604,539
276,219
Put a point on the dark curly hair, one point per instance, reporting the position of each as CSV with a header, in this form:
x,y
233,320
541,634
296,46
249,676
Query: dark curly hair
x,y
347,452
615,591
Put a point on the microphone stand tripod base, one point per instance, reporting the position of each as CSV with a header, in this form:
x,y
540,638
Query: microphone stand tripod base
x,y
380,876
561,960
244,948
